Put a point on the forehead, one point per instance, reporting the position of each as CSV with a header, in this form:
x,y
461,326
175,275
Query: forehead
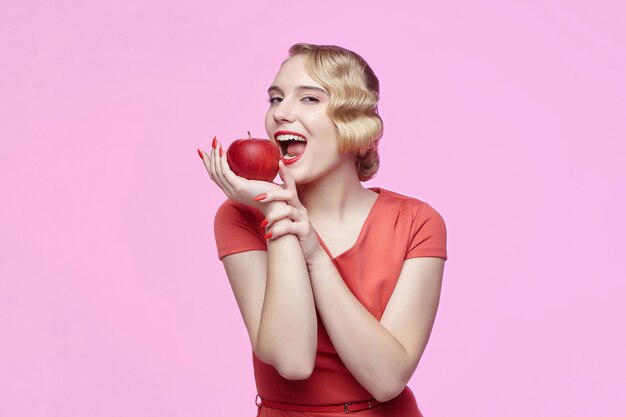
x,y
293,72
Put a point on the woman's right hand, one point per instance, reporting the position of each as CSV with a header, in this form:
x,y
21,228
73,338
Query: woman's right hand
x,y
236,188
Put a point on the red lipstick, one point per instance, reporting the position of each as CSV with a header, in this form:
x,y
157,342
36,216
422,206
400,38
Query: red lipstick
x,y
289,132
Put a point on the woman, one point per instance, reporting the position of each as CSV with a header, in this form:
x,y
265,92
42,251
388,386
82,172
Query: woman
x,y
338,284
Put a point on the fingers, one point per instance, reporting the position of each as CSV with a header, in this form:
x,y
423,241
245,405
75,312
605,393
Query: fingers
x,y
278,195
290,184
214,164
229,176
286,219
221,168
300,229
290,196
281,166
284,212
206,161
285,175
290,218
213,170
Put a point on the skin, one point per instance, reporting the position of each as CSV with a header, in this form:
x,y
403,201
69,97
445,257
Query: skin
x,y
279,291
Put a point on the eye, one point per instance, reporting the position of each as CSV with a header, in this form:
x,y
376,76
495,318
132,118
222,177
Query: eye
x,y
274,100
310,99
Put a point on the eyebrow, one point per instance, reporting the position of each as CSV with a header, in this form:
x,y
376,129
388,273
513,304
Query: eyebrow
x,y
298,88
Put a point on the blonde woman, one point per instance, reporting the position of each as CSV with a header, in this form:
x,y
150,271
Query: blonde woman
x,y
338,284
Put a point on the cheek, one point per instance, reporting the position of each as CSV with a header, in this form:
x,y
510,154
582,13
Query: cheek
x,y
330,130
322,122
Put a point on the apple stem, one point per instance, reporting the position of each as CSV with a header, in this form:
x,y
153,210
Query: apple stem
x,y
249,135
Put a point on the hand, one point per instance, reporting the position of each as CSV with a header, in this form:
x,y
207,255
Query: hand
x,y
236,188
293,210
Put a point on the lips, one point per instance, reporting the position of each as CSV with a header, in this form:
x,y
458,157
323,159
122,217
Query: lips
x,y
291,160
292,145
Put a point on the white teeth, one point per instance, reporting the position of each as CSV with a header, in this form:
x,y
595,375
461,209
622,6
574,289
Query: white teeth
x,y
287,156
290,137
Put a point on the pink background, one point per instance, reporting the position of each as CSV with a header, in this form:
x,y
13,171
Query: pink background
x,y
507,117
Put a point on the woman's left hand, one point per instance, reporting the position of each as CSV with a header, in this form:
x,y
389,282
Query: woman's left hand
x,y
300,224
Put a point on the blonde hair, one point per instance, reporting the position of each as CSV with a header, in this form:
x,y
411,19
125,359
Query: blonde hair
x,y
353,105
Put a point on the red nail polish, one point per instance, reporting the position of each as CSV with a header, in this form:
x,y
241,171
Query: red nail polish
x,y
200,153
214,142
264,223
269,235
220,151
260,197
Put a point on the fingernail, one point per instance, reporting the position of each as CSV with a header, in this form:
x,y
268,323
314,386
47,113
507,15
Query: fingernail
x,y
269,235
214,142
220,151
260,197
200,153
264,223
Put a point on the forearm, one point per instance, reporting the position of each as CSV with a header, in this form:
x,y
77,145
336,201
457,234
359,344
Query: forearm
x,y
372,354
287,336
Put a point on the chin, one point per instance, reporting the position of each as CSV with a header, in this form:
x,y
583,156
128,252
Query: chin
x,y
300,179
300,176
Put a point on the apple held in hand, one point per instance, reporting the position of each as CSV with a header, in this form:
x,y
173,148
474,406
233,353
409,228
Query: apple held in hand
x,y
254,159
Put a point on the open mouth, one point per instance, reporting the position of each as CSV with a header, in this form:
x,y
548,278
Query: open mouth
x,y
292,145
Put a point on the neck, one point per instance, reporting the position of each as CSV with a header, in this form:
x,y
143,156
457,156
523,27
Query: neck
x,y
335,194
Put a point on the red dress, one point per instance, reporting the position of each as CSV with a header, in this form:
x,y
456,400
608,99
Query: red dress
x,y
397,228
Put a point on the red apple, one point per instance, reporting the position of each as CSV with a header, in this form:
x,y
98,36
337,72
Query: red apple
x,y
254,159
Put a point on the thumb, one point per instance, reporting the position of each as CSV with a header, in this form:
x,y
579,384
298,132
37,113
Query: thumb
x,y
285,175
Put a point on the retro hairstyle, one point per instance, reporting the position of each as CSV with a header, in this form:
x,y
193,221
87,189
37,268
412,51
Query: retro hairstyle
x,y
353,105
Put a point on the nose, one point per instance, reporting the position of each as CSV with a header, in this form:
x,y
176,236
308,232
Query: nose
x,y
283,112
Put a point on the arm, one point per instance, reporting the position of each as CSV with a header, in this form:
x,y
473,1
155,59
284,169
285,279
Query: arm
x,y
272,288
383,355
274,295
288,324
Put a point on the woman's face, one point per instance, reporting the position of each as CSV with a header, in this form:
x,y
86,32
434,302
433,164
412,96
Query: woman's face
x,y
297,121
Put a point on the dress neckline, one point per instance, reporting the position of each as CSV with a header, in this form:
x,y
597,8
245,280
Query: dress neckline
x,y
364,227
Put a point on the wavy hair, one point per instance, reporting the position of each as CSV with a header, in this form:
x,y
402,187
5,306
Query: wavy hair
x,y
353,106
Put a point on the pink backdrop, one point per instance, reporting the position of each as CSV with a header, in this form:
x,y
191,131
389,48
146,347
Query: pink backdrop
x,y
507,117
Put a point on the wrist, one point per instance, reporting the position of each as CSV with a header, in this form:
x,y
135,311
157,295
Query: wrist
x,y
317,259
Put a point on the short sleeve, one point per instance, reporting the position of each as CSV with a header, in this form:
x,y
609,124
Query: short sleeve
x,y
236,228
428,233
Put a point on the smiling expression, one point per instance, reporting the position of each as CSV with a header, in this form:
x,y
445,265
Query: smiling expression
x,y
297,120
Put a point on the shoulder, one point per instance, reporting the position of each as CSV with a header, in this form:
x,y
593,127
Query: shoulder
x,y
236,228
231,210
426,228
418,208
